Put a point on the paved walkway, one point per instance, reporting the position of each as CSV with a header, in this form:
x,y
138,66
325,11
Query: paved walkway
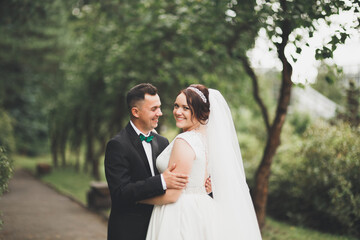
x,y
32,210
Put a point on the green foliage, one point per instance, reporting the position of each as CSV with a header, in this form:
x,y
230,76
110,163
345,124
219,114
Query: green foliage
x,y
318,185
29,63
6,147
6,131
300,122
251,137
114,45
6,170
328,82
285,17
352,114
69,64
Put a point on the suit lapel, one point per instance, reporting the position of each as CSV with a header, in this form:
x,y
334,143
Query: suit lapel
x,y
138,146
154,150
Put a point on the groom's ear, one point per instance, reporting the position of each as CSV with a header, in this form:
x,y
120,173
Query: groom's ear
x,y
135,112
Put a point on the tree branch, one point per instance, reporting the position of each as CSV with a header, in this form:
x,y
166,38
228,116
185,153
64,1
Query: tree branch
x,y
259,101
230,44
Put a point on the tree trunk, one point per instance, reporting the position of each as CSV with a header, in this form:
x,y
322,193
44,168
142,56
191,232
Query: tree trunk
x,y
273,141
53,140
63,137
77,161
77,158
91,157
95,169
251,73
54,151
96,160
63,150
89,143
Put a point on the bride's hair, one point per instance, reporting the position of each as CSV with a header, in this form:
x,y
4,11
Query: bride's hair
x,y
200,108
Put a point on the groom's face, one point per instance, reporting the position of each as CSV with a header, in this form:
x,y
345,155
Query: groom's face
x,y
148,113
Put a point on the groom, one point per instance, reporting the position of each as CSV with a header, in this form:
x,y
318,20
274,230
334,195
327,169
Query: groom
x,y
130,166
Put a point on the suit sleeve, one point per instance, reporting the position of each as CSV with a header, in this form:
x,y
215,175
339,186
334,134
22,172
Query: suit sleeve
x,y
117,169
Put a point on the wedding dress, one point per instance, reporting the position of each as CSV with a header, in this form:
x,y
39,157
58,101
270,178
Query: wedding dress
x,y
230,214
193,216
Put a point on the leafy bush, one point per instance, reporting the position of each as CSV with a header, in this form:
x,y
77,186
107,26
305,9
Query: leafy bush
x,y
319,187
5,170
6,131
300,121
6,143
251,136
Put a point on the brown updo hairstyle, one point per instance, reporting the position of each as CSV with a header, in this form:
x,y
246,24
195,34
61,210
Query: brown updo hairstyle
x,y
199,109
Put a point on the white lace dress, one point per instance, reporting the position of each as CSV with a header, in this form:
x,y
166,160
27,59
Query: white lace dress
x,y
193,215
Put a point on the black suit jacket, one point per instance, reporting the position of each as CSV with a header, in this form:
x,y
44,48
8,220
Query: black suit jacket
x,y
129,178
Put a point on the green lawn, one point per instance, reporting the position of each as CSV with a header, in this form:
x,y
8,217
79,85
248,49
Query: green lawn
x,y
29,163
276,230
76,184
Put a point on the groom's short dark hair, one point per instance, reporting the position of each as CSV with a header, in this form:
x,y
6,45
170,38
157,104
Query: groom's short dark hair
x,y
138,92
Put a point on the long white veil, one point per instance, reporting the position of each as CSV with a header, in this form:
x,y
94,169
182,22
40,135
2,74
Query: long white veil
x,y
237,217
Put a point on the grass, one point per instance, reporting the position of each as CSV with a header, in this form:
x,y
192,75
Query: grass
x,y
29,163
70,182
275,230
76,184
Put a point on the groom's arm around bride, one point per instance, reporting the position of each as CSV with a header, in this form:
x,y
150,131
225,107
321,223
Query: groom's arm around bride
x,y
130,166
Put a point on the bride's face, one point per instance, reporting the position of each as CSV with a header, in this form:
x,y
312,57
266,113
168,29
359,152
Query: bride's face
x,y
182,114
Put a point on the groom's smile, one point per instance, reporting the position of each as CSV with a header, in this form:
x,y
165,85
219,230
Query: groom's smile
x,y
148,113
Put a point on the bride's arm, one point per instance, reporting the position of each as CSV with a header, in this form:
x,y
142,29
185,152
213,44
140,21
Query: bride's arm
x,y
183,155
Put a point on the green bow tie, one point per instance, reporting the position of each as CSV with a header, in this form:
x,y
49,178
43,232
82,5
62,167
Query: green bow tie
x,y
147,139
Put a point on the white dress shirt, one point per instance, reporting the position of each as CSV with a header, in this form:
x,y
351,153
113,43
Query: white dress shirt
x,y
148,152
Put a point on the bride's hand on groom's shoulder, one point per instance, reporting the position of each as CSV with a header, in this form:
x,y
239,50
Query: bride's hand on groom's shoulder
x,y
175,180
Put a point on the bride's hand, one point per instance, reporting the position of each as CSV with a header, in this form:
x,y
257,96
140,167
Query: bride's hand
x,y
174,180
208,185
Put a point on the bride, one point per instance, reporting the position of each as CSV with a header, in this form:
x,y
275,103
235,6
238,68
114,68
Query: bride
x,y
208,146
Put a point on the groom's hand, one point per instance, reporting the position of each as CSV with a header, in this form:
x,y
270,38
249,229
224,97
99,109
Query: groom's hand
x,y
174,180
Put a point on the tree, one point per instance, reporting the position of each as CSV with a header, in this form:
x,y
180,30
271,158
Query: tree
x,y
29,64
112,50
282,19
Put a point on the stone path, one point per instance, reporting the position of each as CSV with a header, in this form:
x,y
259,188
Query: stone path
x,y
32,210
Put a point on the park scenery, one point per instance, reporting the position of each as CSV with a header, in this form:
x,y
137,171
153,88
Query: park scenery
x,y
66,66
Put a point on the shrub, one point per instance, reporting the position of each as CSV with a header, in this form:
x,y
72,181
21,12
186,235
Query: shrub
x,y
6,131
319,187
5,173
5,170
6,143
300,122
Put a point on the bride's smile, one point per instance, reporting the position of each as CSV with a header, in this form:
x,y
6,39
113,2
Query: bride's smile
x,y
183,115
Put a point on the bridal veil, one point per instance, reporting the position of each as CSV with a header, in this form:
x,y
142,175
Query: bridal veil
x,y
237,219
